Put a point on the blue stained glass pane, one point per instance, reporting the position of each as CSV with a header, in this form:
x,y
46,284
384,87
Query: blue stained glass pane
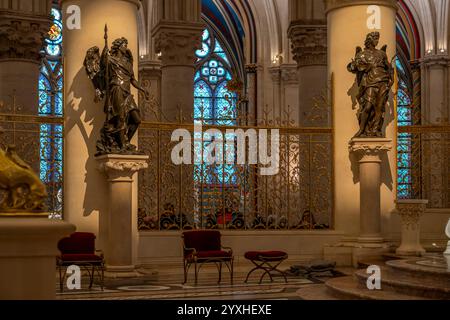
x,y
223,55
229,77
205,71
205,35
213,79
213,64
197,76
218,47
203,52
53,50
56,14
202,100
220,71
59,104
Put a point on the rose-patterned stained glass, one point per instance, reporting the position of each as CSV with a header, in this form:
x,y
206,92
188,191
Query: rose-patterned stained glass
x,y
50,89
404,118
213,103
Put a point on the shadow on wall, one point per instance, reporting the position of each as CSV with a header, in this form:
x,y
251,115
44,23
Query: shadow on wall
x,y
88,114
386,173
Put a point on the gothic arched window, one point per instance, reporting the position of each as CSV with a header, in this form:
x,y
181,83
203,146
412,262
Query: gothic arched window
x,y
404,114
214,104
50,89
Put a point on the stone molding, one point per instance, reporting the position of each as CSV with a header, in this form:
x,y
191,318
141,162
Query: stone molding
x,y
151,68
370,147
338,4
22,35
309,42
121,166
137,3
436,60
177,43
289,74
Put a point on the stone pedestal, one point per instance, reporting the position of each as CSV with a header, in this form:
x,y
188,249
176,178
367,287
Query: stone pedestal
x,y
368,152
447,232
410,212
122,211
28,247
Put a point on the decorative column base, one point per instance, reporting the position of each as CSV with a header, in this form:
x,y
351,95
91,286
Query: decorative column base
x,y
410,212
28,247
369,152
122,199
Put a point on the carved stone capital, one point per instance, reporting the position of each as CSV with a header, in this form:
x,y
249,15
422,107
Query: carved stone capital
x,y
22,35
309,42
275,74
337,4
436,60
411,211
289,74
121,167
370,149
178,43
150,69
251,68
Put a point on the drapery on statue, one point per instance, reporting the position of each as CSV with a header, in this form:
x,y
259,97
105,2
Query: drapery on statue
x,y
375,77
22,190
112,75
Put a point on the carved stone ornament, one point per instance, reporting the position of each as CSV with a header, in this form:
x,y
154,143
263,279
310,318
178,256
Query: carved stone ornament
x,y
411,211
309,42
118,166
177,47
370,147
22,38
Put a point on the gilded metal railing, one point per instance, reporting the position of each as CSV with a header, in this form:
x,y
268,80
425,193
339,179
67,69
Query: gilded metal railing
x,y
424,164
236,196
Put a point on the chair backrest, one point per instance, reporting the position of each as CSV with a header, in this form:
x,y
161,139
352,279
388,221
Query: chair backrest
x,y
78,243
202,240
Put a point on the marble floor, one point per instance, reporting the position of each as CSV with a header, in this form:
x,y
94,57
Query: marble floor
x,y
170,287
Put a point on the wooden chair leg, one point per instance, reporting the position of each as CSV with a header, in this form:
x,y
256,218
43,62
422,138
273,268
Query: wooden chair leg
x,y
220,272
196,272
61,279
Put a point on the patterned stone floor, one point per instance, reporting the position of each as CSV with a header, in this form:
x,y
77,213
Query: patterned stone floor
x,y
169,287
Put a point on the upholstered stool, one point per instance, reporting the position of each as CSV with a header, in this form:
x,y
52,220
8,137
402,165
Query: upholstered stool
x,y
268,261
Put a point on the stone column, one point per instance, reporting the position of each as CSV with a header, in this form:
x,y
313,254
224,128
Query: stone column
x,y
447,233
28,247
410,212
347,29
120,170
23,27
309,48
369,152
177,37
85,189
252,70
150,77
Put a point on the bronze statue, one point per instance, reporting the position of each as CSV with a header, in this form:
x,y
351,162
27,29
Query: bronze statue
x,y
112,75
23,191
375,77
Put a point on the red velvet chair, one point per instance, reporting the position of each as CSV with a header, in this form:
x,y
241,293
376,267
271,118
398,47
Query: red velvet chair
x,y
79,250
204,246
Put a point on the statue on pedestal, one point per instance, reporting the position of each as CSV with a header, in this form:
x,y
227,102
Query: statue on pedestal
x,y
112,75
375,77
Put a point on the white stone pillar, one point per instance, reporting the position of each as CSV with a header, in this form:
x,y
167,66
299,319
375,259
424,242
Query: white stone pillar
x,y
85,189
28,247
369,152
122,196
410,212
347,29
22,33
177,43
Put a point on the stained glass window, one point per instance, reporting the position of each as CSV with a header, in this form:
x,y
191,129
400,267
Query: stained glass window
x,y
404,114
50,90
214,104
